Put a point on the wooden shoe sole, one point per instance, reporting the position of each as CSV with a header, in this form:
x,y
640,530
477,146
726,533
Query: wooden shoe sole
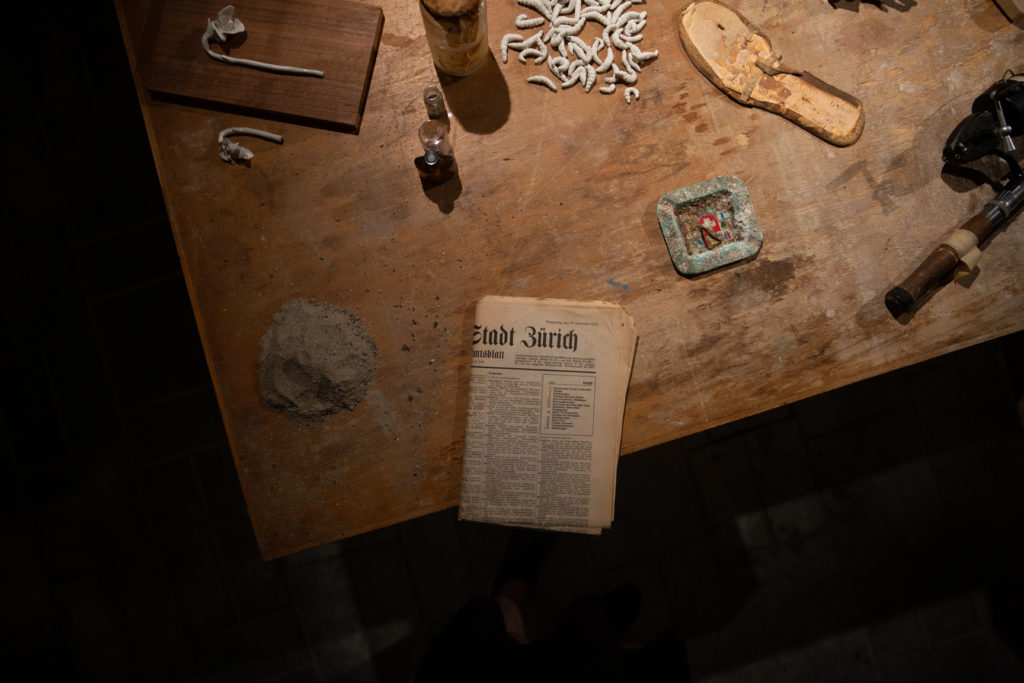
x,y
739,60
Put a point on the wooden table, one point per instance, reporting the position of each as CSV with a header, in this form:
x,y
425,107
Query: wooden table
x,y
559,200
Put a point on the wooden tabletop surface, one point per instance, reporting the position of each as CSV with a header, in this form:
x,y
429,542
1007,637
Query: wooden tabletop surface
x,y
559,195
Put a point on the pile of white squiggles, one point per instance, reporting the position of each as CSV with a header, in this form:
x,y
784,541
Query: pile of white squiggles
x,y
570,58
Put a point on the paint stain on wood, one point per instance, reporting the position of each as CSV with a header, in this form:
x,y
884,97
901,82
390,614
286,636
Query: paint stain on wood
x,y
774,277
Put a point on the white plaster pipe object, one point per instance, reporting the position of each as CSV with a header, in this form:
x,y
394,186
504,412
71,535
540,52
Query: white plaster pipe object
x,y
227,25
232,151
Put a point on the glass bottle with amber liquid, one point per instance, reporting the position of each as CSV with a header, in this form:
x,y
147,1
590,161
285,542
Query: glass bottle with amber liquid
x,y
437,165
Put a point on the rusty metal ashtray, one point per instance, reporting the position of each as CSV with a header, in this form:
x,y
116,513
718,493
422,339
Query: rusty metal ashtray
x,y
709,225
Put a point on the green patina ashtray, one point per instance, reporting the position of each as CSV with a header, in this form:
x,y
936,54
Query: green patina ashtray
x,y
709,225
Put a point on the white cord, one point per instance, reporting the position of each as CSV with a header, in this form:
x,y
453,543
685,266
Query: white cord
x,y
226,25
232,151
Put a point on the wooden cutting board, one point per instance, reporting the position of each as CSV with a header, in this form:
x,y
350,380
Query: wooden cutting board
x,y
337,37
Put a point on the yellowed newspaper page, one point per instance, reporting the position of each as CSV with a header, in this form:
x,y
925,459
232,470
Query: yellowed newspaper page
x,y
547,390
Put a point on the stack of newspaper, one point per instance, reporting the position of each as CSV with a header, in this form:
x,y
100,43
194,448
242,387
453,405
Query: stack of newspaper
x,y
547,391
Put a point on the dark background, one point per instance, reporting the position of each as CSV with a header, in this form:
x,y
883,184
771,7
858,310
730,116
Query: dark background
x,y
868,534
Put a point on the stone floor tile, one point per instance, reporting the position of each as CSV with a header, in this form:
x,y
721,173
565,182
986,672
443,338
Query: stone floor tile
x,y
29,198
154,433
966,485
24,589
950,618
95,216
257,586
888,502
868,399
85,408
438,566
791,519
388,608
270,644
1008,661
842,659
822,414
657,506
896,637
186,544
859,449
743,674
484,545
123,625
567,574
382,536
88,513
151,344
111,264
962,659
110,79
31,439
656,613
778,458
40,309
705,591
306,675
725,481
325,600
327,551
1006,454
930,388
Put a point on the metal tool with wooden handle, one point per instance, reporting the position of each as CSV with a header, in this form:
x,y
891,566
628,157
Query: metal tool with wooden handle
x,y
998,116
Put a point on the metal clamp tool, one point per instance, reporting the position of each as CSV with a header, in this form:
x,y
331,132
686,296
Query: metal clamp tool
x,y
997,116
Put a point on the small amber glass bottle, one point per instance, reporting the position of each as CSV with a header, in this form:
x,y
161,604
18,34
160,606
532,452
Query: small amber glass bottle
x,y
438,161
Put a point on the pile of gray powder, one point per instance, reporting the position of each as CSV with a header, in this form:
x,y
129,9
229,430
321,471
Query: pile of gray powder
x,y
315,360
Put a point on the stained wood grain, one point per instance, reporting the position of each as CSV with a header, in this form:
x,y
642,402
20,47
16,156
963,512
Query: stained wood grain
x,y
338,37
559,196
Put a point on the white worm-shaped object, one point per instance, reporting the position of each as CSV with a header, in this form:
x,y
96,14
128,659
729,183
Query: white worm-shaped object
x,y
511,37
577,76
523,21
639,55
558,64
532,41
580,48
619,41
634,26
542,80
232,151
608,61
630,16
627,77
629,62
538,56
617,14
560,23
538,6
599,17
226,25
